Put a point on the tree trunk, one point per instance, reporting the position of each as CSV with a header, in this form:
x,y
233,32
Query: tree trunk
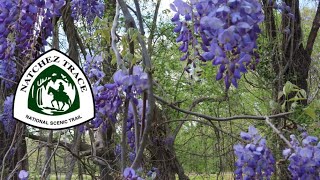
x,y
47,168
75,150
164,158
103,141
162,152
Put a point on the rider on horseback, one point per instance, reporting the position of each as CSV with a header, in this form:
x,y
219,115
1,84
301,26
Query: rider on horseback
x,y
59,96
61,88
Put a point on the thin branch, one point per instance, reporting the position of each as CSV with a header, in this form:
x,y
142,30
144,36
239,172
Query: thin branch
x,y
201,122
83,163
277,131
136,126
184,120
83,146
153,27
144,109
139,16
7,153
49,160
220,119
124,135
60,144
114,38
194,104
81,45
8,80
135,13
25,157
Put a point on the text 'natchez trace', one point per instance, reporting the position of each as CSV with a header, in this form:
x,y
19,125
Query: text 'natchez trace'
x,y
55,59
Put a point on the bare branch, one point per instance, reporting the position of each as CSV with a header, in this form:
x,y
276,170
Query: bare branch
x,y
83,146
210,118
139,16
194,103
153,27
47,165
7,153
136,126
114,38
207,124
8,80
277,131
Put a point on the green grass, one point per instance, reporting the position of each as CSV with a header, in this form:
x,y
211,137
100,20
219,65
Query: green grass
x,y
225,176
34,176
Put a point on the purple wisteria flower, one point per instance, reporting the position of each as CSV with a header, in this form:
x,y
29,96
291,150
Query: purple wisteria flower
x,y
23,175
130,174
304,157
254,160
109,98
223,32
88,9
19,29
6,117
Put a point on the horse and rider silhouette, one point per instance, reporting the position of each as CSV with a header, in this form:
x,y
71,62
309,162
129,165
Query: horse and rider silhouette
x,y
59,96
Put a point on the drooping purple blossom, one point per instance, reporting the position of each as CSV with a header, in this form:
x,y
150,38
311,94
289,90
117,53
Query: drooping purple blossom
x,y
88,9
304,157
8,72
20,25
254,160
109,98
137,81
6,118
226,31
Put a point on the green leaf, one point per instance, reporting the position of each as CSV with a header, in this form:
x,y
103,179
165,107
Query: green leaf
x,y
303,93
114,59
310,112
287,88
283,106
296,98
128,56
